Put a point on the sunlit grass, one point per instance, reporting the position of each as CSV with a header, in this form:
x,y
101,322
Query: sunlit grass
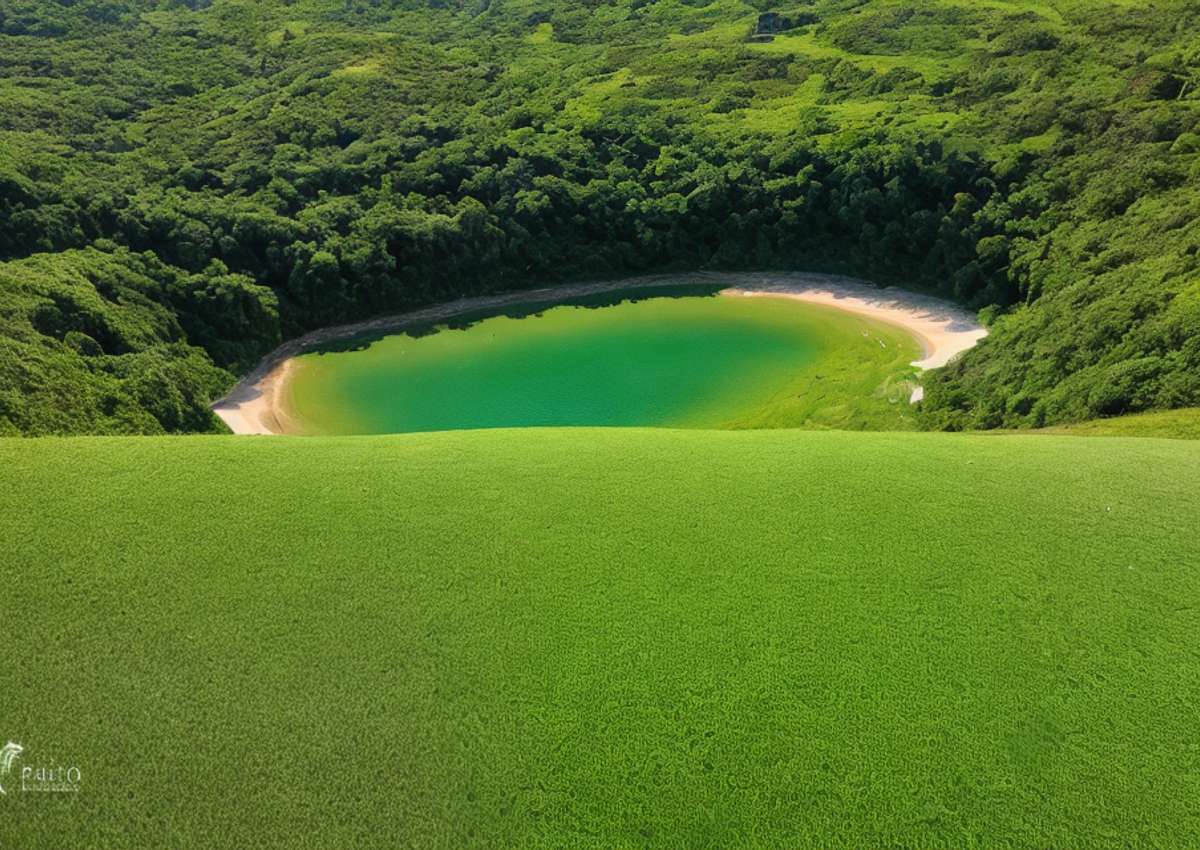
x,y
604,638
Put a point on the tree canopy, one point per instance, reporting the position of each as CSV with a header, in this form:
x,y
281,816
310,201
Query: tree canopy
x,y
183,183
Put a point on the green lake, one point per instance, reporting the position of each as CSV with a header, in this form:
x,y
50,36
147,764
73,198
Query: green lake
x,y
659,361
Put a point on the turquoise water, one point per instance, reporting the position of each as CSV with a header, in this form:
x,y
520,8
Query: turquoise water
x,y
688,362
661,361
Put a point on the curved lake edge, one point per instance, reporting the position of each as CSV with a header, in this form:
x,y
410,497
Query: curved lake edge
x,y
942,328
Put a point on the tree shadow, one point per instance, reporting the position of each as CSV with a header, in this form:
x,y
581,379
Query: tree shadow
x,y
522,310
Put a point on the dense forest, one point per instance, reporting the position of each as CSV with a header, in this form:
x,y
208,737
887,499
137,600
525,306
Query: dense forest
x,y
184,183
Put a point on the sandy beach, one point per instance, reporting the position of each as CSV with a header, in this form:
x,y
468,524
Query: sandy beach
x,y
254,408
942,328
254,405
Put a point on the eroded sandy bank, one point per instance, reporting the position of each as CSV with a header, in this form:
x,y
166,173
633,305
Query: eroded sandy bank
x,y
255,405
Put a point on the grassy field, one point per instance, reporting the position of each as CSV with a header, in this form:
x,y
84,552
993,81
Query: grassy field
x,y
615,638
1182,424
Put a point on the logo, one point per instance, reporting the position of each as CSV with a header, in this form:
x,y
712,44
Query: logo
x,y
47,776
8,755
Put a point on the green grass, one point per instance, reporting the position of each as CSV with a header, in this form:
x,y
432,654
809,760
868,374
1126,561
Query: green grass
x,y
621,638
1182,424
542,34
807,44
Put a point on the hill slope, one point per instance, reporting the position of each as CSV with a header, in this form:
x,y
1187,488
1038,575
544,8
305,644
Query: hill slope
x,y
604,638
183,184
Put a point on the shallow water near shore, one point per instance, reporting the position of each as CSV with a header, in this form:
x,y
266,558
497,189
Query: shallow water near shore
x,y
661,361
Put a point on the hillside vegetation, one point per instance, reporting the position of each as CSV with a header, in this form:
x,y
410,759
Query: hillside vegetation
x,y
1182,424
185,182
604,638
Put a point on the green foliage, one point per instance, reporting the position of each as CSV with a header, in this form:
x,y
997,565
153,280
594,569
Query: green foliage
x,y
282,165
604,638
1096,339
94,342
904,28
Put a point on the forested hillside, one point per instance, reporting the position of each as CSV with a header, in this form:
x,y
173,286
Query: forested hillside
x,y
184,184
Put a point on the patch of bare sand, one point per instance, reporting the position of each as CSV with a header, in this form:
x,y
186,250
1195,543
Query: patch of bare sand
x,y
256,408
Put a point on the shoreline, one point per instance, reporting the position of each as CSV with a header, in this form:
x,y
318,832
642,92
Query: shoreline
x,y
943,329
257,409
254,406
